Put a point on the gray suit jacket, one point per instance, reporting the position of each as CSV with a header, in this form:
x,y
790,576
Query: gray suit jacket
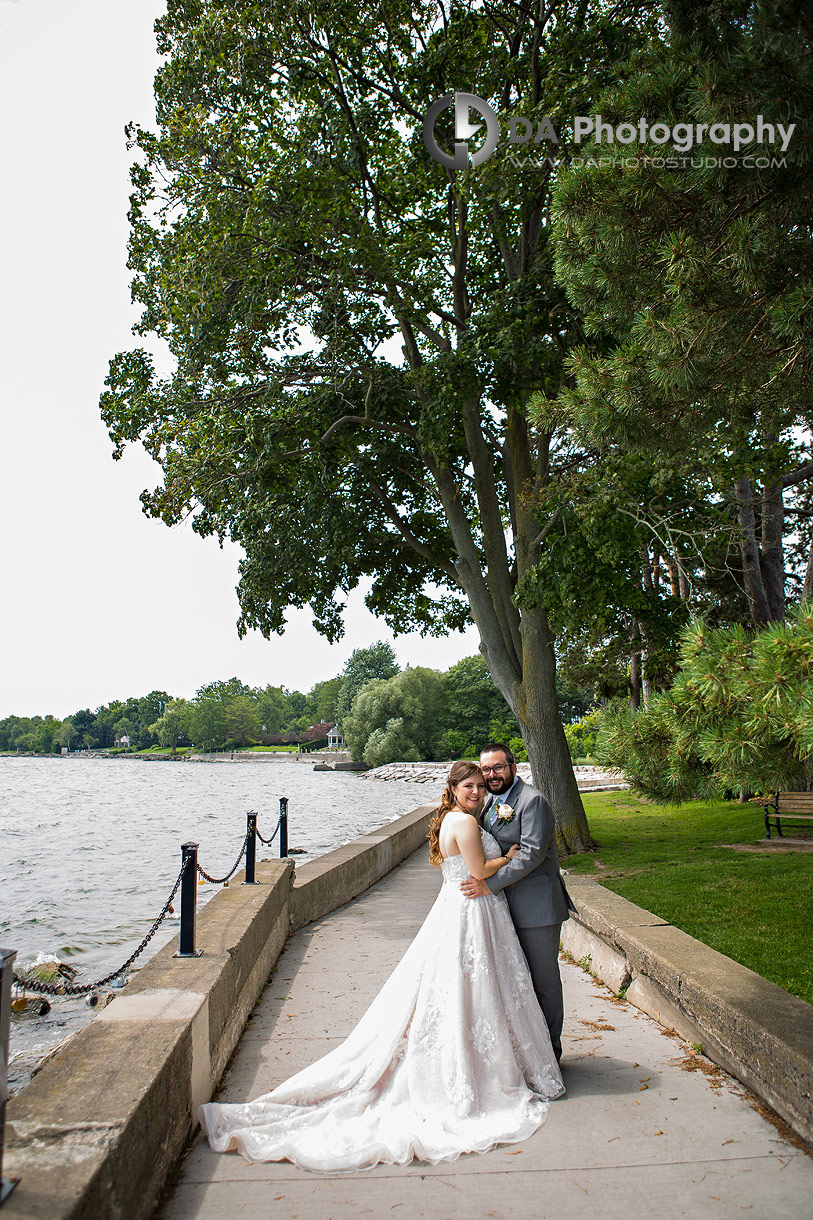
x,y
532,881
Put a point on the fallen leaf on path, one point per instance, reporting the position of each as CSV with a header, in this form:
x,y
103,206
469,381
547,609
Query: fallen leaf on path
x,y
584,1188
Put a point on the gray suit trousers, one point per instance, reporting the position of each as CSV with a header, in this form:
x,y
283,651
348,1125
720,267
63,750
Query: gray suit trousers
x,y
541,948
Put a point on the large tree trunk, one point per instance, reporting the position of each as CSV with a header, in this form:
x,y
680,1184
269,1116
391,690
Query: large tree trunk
x,y
763,570
531,696
751,570
537,712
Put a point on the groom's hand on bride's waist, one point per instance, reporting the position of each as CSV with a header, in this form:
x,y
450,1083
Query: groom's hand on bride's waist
x,y
473,888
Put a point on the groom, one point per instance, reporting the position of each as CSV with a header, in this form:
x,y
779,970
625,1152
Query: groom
x,y
537,899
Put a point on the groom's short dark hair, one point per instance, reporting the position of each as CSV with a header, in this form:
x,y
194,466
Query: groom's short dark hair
x,y
498,745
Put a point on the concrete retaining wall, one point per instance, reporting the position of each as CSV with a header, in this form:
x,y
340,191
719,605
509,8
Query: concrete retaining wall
x,y
758,1032
98,1130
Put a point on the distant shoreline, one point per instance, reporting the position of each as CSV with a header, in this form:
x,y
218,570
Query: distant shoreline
x,y
223,756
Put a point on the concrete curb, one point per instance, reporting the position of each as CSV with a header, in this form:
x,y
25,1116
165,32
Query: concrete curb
x,y
758,1032
98,1131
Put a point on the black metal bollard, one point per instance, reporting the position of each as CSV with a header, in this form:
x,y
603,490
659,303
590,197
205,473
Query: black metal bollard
x,y
251,846
283,827
189,896
7,957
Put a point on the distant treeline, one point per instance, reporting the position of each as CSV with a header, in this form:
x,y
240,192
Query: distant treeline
x,y
467,711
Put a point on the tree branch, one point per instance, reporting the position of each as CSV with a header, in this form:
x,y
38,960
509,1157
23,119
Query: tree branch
x,y
406,533
800,475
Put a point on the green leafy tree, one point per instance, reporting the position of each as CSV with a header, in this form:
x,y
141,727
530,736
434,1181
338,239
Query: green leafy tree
x,y
169,728
68,735
150,708
46,734
288,192
623,569
84,722
242,721
396,720
326,699
298,708
474,712
364,665
272,709
126,728
206,715
696,283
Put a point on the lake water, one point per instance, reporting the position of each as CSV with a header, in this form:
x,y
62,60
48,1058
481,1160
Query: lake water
x,y
90,849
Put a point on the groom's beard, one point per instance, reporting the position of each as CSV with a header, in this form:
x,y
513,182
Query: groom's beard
x,y
497,787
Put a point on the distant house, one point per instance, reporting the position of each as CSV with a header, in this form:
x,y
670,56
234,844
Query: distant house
x,y
123,742
335,740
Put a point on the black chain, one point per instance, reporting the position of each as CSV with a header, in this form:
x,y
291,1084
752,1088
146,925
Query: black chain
x,y
84,988
268,842
223,880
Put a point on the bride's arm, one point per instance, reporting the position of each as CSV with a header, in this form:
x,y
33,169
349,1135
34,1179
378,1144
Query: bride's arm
x,y
471,849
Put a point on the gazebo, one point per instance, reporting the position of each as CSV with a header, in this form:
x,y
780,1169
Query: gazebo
x,y
335,741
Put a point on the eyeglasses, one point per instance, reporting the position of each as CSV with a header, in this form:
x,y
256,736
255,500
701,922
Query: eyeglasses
x,y
488,770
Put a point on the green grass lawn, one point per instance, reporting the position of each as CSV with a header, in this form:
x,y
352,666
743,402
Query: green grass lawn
x,y
272,749
681,864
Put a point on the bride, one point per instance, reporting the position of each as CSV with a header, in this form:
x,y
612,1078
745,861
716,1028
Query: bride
x,y
452,1056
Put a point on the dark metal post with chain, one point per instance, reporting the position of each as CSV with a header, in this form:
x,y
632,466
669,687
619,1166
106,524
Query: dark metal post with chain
x,y
7,957
251,846
189,894
283,827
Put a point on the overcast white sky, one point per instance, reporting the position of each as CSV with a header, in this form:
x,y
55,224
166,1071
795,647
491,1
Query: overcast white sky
x,y
99,602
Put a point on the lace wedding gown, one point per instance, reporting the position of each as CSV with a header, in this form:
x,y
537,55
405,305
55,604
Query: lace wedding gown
x,y
452,1056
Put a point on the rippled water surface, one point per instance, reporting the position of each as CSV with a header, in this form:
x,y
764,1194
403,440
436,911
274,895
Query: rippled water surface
x,y
91,849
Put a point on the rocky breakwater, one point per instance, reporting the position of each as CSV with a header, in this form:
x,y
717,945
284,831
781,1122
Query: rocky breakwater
x,y
594,779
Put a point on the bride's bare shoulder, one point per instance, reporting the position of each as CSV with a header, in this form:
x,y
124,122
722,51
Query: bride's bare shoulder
x,y
458,817
467,825
456,825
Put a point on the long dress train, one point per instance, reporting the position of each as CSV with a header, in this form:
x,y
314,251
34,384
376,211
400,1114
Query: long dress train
x,y
452,1056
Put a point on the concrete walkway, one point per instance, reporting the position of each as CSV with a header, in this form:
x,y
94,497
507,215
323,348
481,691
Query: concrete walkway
x,y
647,1129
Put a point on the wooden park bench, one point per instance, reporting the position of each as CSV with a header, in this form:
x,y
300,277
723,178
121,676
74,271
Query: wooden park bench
x,y
787,807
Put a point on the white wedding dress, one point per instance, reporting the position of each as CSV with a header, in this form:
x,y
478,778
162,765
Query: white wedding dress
x,y
452,1056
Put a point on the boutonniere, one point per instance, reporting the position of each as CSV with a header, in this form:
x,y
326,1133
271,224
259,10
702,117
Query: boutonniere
x,y
505,813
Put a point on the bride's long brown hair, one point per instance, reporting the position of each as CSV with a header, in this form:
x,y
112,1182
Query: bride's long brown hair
x,y
458,772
